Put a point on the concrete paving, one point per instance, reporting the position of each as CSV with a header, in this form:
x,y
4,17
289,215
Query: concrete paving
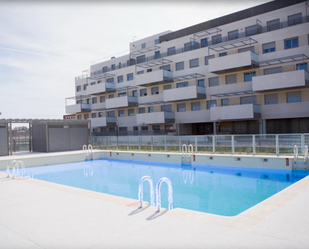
x,y
37,214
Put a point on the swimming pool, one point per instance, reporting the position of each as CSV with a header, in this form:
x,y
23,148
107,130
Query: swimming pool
x,y
218,190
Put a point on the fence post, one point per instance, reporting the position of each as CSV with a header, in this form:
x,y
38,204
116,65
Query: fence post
x,y
139,143
233,148
179,144
213,144
302,144
195,144
151,143
277,145
117,142
253,144
107,142
165,143
127,143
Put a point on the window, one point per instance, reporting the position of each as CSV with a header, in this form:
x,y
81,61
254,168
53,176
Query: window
x,y
104,69
181,107
78,88
99,81
216,39
269,47
168,127
156,41
166,87
111,114
86,116
166,67
122,94
273,70
211,103
182,84
248,100
111,96
134,93
121,113
119,65
187,46
195,106
150,109
123,128
201,82
171,51
131,112
291,43
135,128
293,97
248,76
271,99
100,114
156,127
102,99
214,81
179,66
224,102
141,110
149,70
93,115
129,76
144,128
302,66
140,72
194,63
232,35
157,55
154,90
143,92
204,42
94,100
294,19
223,54
143,45
88,101
113,67
79,116
273,25
241,50
110,80
85,86
166,108
252,30
79,102
231,79
140,59
120,79
207,58
92,83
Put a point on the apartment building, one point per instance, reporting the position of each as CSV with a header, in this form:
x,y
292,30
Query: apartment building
x,y
243,73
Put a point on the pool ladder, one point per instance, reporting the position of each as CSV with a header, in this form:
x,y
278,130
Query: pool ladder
x,y
15,165
88,152
296,156
186,153
158,191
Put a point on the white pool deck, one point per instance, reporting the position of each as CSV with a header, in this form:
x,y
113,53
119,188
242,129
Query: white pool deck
x,y
37,214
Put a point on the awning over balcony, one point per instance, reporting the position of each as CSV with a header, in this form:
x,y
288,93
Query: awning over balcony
x,y
233,44
100,76
144,50
188,77
286,59
207,32
153,63
220,95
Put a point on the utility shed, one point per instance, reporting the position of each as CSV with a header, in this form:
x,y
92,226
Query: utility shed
x,y
47,135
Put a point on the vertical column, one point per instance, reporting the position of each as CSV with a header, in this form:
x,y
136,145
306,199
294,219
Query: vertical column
x,y
253,144
302,144
215,128
195,144
139,143
179,143
277,145
233,147
127,143
262,128
151,143
165,144
117,143
213,144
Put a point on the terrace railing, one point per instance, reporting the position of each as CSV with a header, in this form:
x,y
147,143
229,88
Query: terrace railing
x,y
280,144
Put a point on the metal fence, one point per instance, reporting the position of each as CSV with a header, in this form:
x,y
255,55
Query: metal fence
x,y
282,144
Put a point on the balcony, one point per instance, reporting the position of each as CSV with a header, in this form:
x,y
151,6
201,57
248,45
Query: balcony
x,y
77,108
240,61
103,122
201,116
155,118
285,110
280,80
101,88
235,112
153,77
125,101
184,93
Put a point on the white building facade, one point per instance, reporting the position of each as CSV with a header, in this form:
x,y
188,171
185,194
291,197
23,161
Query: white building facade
x,y
244,73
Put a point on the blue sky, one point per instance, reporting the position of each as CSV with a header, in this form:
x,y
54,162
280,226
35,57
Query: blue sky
x,y
44,45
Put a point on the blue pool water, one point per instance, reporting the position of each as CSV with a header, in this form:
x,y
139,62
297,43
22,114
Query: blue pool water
x,y
220,190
